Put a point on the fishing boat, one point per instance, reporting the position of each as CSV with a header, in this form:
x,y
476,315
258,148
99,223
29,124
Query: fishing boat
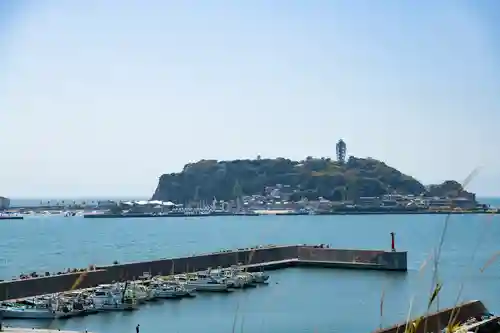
x,y
38,309
202,282
260,277
181,289
163,290
105,299
232,280
142,292
255,277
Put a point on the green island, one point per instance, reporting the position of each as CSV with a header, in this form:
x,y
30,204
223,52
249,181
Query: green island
x,y
355,184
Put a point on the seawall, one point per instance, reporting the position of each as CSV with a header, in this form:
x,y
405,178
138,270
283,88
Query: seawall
x,y
264,257
350,258
437,321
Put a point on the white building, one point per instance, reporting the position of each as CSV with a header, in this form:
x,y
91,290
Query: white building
x,y
4,203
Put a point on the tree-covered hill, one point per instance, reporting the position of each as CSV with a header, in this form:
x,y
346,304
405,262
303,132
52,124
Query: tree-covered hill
x,y
311,178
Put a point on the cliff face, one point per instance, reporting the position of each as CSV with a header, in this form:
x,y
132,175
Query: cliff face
x,y
451,189
310,178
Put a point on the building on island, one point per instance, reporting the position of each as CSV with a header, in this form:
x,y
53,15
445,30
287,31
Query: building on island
x,y
4,203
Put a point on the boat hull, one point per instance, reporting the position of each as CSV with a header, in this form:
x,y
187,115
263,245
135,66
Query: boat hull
x,y
167,294
260,278
116,307
23,313
208,287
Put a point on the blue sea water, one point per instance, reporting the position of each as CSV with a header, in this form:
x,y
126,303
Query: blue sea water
x,y
297,300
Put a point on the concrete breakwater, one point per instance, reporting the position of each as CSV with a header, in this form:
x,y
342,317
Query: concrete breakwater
x,y
437,321
271,257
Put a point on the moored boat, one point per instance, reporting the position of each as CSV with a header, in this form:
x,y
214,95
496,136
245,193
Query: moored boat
x,y
105,300
38,309
162,290
260,277
232,280
142,293
202,282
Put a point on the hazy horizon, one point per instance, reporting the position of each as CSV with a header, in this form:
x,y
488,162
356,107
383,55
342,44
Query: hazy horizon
x,y
99,98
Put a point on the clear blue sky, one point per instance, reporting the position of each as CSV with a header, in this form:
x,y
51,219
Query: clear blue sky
x,y
100,98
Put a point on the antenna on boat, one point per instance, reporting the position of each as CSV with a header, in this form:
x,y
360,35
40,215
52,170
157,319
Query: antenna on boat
x,y
393,247
124,289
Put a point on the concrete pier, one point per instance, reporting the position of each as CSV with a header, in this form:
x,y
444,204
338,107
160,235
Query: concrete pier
x,y
270,257
359,259
436,322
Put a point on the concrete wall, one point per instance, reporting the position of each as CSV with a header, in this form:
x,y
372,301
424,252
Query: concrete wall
x,y
435,322
108,274
200,262
380,259
51,284
340,255
397,261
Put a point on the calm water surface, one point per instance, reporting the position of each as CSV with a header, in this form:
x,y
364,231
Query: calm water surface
x,y
296,300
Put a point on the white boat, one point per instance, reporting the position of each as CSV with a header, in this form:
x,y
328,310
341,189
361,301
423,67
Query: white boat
x,y
105,300
232,280
255,277
181,289
24,312
115,289
202,282
37,310
246,278
162,290
142,292
260,277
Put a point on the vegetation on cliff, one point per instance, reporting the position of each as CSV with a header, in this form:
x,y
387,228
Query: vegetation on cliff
x,y
310,178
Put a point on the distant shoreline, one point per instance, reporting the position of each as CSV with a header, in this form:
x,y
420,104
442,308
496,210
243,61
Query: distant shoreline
x,y
290,214
13,214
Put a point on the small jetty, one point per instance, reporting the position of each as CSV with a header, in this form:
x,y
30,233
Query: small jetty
x,y
124,287
472,316
256,259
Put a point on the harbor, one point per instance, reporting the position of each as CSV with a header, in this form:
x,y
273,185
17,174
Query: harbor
x,y
302,293
472,316
105,215
278,201
129,295
251,259
120,288
249,167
